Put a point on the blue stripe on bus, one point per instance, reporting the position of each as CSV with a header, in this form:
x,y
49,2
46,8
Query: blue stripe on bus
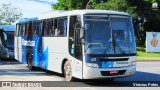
x,y
24,51
40,58
101,64
44,61
36,54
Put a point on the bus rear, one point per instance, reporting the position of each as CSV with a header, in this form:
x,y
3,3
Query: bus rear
x,y
7,41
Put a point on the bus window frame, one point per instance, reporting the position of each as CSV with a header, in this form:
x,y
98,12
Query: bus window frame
x,y
17,30
23,29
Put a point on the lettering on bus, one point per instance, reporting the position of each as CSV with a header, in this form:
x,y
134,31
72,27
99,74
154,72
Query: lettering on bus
x,y
28,43
107,64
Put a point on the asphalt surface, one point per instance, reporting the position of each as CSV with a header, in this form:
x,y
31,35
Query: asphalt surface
x,y
147,72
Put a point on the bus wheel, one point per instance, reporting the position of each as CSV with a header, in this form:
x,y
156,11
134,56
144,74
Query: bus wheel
x,y
68,71
29,61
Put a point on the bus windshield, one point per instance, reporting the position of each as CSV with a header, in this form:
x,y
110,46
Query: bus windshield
x,y
109,34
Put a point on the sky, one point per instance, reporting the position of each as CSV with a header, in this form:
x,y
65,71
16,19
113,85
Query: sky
x,y
30,8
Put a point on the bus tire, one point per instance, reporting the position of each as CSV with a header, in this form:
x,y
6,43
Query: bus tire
x,y
67,71
30,63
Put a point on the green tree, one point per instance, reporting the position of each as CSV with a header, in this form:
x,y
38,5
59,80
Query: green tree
x,y
9,14
117,5
70,4
144,17
147,19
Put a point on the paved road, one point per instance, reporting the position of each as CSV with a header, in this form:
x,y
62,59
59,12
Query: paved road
x,y
16,71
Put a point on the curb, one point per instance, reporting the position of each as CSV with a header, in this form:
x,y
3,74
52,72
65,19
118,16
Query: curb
x,y
148,60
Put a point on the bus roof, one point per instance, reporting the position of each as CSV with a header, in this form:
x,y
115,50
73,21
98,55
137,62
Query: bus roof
x,y
60,13
8,27
23,20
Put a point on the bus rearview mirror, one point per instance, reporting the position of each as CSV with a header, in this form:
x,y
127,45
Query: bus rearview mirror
x,y
5,36
82,33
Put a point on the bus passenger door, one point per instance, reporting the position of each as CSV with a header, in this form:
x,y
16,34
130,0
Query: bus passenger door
x,y
75,46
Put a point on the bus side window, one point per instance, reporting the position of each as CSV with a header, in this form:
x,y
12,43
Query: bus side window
x,y
51,27
34,28
65,26
46,28
28,29
62,26
38,28
55,27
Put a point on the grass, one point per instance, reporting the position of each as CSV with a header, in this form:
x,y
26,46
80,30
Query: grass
x,y
143,55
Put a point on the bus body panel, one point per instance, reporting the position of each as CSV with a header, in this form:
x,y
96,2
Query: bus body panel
x,y
16,47
95,73
58,53
20,49
124,68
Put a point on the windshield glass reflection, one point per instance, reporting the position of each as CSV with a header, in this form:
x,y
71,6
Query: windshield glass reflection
x,y
109,35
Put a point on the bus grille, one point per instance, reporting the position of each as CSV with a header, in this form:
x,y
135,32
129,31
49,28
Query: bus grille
x,y
114,59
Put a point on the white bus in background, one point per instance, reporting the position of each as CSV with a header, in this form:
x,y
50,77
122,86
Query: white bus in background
x,y
7,41
84,44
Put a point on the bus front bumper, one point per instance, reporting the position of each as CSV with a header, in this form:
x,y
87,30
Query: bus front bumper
x,y
96,73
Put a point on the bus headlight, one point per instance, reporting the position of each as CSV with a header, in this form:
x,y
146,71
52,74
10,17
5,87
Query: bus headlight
x,y
94,65
133,63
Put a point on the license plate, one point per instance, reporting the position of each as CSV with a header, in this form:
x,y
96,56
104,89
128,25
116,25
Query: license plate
x,y
114,72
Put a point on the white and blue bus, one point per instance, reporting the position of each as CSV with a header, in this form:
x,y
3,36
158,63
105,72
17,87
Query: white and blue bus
x,y
7,41
84,44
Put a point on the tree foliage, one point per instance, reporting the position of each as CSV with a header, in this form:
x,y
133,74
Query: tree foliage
x,y
117,5
69,4
9,14
144,17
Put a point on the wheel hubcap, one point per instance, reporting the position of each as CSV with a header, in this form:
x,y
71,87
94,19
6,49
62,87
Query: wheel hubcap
x,y
68,72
